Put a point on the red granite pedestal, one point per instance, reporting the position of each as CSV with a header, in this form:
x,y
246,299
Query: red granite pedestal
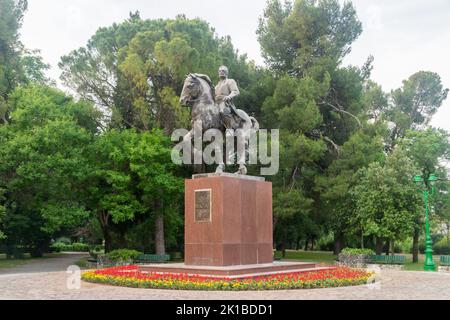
x,y
237,227
228,229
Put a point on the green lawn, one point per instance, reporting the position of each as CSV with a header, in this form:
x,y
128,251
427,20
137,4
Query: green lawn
x,y
410,266
308,256
12,263
83,263
329,258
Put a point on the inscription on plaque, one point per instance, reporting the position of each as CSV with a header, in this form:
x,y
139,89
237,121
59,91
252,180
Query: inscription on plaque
x,y
203,205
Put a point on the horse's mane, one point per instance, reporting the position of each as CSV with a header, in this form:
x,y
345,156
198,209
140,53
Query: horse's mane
x,y
209,82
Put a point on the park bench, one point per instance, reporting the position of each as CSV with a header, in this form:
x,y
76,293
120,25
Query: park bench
x,y
152,258
388,259
445,261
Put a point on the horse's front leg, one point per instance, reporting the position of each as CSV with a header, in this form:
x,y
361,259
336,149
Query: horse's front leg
x,y
187,141
196,154
221,165
242,146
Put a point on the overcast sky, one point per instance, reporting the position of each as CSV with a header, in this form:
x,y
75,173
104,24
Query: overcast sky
x,y
404,36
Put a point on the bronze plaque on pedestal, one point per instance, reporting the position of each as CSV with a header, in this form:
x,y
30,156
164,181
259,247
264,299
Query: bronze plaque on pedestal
x,y
203,205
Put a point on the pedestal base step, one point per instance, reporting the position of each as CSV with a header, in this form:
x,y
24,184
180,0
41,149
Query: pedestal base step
x,y
233,272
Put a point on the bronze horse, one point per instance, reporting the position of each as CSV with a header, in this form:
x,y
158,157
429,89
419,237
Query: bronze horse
x,y
199,94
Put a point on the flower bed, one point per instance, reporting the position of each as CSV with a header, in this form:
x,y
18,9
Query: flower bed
x,y
131,276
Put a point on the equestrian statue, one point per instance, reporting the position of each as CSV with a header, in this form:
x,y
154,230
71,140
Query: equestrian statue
x,y
213,108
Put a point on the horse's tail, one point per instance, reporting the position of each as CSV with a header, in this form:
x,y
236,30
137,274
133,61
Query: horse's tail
x,y
255,124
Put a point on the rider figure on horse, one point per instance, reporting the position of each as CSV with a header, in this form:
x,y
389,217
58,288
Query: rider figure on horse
x,y
226,91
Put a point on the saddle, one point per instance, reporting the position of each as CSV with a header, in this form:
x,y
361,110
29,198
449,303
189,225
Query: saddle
x,y
230,117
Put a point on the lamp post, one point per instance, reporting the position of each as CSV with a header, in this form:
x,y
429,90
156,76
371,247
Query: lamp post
x,y
427,188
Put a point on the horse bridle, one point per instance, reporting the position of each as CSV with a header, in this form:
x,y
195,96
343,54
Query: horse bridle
x,y
192,101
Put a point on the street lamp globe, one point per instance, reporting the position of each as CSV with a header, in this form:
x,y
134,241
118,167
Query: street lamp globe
x,y
432,179
418,179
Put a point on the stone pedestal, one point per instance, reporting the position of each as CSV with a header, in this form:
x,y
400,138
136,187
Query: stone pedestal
x,y
228,220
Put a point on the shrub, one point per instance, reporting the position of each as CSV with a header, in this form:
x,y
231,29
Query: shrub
x,y
16,252
326,243
75,247
58,246
442,247
83,264
98,248
404,246
358,251
80,247
123,255
63,240
95,250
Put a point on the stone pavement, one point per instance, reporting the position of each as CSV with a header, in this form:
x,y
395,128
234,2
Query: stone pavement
x,y
47,279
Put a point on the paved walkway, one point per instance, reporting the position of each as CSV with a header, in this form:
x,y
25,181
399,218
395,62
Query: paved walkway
x,y
47,279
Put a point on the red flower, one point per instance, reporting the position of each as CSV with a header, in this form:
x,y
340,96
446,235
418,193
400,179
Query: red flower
x,y
331,273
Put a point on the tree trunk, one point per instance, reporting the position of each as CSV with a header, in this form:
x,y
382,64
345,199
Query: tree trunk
x,y
122,241
388,247
379,246
362,240
107,237
159,236
306,244
416,246
312,243
103,219
338,243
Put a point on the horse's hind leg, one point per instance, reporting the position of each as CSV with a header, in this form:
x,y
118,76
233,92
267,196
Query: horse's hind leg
x,y
220,168
242,146
221,165
196,154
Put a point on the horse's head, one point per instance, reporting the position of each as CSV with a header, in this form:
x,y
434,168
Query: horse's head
x,y
192,90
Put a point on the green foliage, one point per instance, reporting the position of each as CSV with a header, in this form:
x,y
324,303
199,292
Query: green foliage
x,y
442,247
318,105
11,14
420,97
348,149
2,212
364,147
358,251
132,178
18,66
427,148
415,103
375,101
74,247
292,216
82,263
43,162
293,105
136,69
386,200
300,36
326,243
123,255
